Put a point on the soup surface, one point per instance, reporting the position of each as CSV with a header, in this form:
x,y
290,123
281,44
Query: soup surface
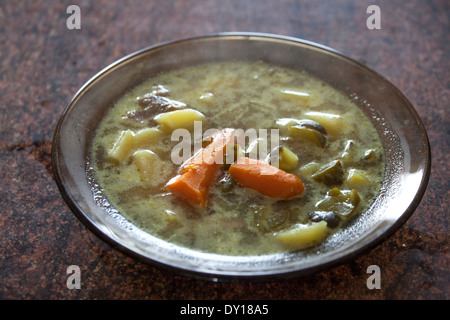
x,y
285,159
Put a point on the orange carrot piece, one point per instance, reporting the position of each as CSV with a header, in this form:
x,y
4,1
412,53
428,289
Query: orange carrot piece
x,y
266,179
197,174
193,185
212,153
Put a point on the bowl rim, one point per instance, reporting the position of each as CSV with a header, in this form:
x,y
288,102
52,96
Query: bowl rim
x,y
91,225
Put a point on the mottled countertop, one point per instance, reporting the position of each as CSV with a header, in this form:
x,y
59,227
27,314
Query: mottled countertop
x,y
43,64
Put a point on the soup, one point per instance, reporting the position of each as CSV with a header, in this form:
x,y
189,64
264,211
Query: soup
x,y
238,158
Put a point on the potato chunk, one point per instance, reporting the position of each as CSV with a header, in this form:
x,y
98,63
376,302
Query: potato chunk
x,y
295,95
303,236
348,157
357,179
307,170
283,157
129,141
178,119
333,123
152,169
122,146
288,159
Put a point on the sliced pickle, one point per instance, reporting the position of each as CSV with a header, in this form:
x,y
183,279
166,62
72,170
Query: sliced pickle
x,y
341,202
329,217
265,219
331,174
308,130
307,134
313,125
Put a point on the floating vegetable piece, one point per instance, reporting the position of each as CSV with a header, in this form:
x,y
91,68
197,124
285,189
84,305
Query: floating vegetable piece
x,y
313,125
288,160
343,203
197,174
213,152
193,185
178,119
371,156
153,103
266,179
307,170
308,130
265,219
331,174
349,154
129,141
151,168
285,123
303,236
157,99
122,147
329,217
307,134
276,219
295,95
333,123
282,157
146,137
357,179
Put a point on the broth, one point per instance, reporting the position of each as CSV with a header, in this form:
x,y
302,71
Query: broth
x,y
322,138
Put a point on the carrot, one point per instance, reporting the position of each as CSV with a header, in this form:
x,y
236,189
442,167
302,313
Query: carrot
x,y
266,179
194,184
197,174
212,153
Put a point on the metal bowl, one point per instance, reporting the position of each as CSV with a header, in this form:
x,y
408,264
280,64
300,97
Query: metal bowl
x,y
403,135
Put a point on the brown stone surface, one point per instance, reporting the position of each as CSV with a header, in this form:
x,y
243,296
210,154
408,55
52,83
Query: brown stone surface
x,y
43,64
